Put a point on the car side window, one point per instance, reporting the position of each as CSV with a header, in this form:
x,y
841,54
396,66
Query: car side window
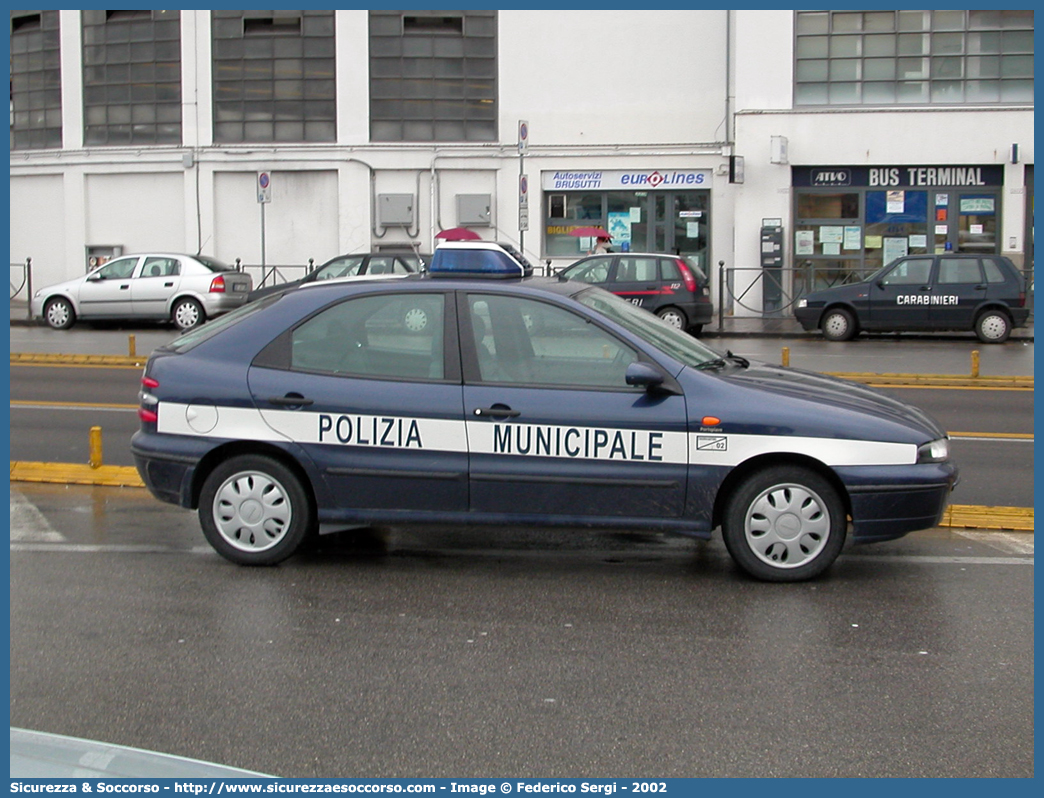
x,y
387,336
524,341
959,270
343,267
994,273
914,271
595,271
119,269
669,270
159,267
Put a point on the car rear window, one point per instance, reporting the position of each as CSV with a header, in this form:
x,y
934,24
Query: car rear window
x,y
214,264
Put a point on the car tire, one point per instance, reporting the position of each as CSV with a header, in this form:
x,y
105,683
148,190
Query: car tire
x,y
187,313
674,317
993,327
696,329
255,511
838,324
59,313
784,523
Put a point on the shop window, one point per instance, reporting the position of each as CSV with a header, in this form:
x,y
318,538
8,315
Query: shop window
x,y
828,206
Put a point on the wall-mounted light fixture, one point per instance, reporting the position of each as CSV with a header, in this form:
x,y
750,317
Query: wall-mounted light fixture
x,y
779,150
1014,153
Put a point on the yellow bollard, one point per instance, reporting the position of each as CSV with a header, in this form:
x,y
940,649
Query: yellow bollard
x,y
130,342
95,456
975,363
786,356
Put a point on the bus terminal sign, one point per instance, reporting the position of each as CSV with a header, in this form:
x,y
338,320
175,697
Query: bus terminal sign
x,y
630,179
897,176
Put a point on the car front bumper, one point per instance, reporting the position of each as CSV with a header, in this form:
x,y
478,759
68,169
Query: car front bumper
x,y
888,503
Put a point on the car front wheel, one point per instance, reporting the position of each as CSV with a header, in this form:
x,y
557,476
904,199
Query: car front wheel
x,y
187,313
784,524
993,327
255,511
59,313
838,325
673,317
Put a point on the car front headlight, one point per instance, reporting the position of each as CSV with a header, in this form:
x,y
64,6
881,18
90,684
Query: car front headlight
x,y
934,452
802,303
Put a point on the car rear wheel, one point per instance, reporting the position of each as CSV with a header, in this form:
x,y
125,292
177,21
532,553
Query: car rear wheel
x,y
993,327
838,325
59,313
187,313
254,511
784,524
673,317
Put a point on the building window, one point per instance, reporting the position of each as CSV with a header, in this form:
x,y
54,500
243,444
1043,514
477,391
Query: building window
x,y
913,57
433,75
36,81
131,77
274,76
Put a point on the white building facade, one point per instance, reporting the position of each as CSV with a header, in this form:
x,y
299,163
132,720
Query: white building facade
x,y
793,148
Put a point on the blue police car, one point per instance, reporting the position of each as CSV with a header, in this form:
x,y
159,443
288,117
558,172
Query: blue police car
x,y
521,400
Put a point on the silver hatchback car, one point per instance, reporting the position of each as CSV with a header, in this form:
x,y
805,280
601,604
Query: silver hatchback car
x,y
185,289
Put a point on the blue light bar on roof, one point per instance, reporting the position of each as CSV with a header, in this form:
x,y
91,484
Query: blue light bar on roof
x,y
470,260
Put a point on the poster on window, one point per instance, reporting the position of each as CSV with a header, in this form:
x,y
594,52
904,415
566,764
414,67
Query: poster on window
x,y
804,242
619,227
895,248
895,202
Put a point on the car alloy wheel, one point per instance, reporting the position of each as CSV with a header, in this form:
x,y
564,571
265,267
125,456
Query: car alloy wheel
x,y
254,510
784,524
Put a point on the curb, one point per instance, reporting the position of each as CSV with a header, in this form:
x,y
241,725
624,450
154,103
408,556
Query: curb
x,y
957,516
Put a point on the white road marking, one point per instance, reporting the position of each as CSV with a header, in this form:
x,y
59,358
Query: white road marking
x,y
1009,543
28,523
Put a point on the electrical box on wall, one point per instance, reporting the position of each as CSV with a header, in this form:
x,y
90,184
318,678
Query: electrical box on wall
x,y
473,209
395,210
100,254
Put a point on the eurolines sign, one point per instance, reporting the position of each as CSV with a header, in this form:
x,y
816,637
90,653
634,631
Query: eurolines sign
x,y
642,179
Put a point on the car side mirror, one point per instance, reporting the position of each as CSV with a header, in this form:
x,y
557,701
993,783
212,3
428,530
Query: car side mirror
x,y
95,278
645,376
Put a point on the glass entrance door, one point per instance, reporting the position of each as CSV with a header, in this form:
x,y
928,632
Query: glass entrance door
x,y
680,223
977,223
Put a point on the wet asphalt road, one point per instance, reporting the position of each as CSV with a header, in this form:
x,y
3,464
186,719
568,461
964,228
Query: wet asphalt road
x,y
443,652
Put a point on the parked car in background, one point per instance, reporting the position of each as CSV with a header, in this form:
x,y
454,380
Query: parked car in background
x,y
673,287
185,289
982,293
355,265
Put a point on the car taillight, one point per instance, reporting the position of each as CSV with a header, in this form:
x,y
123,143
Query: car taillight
x,y
149,403
1022,299
217,285
690,281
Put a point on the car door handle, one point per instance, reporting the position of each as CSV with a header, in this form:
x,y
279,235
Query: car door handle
x,y
925,288
125,286
497,411
290,400
168,285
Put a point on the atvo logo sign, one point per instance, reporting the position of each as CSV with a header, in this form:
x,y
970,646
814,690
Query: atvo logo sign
x,y
831,177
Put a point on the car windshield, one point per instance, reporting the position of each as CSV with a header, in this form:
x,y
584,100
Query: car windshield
x,y
669,340
214,264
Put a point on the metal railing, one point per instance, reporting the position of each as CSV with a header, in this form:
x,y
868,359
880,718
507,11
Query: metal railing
x,y
269,274
22,279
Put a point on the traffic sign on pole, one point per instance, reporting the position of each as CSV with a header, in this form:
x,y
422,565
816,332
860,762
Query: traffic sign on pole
x,y
523,136
264,187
